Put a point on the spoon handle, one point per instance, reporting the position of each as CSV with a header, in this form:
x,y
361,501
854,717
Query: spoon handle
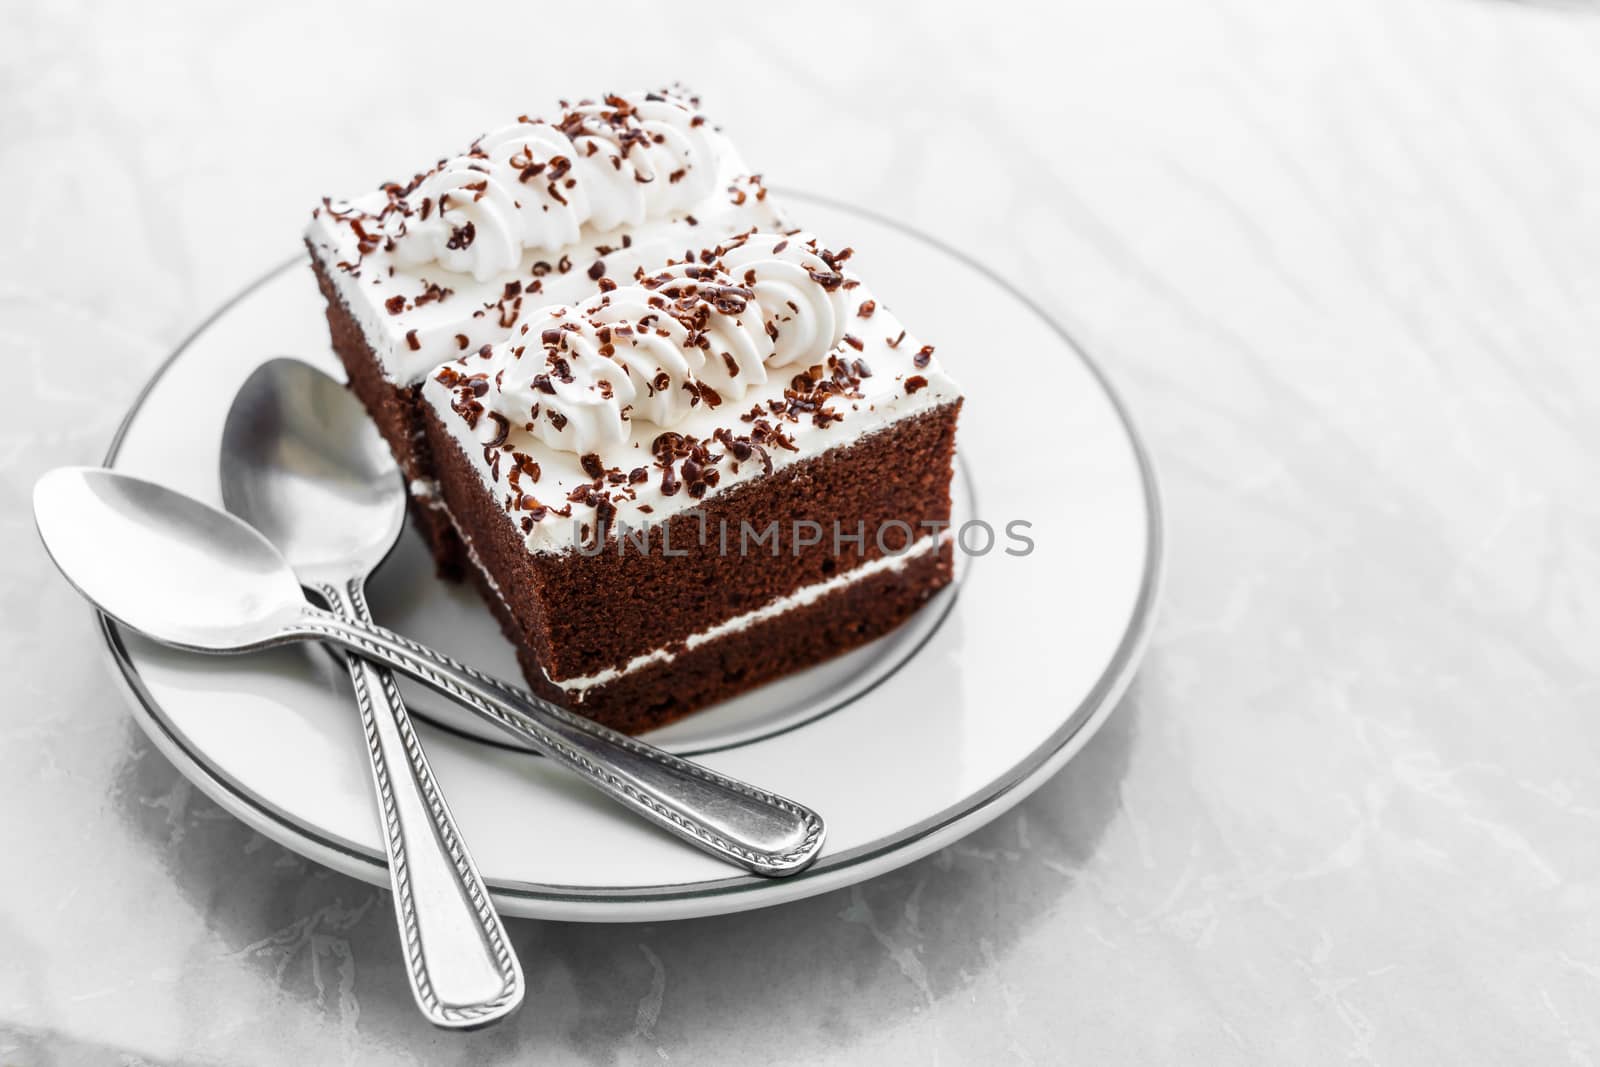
x,y
462,970
757,830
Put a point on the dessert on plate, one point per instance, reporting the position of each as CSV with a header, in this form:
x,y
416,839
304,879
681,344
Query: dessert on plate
x,y
675,441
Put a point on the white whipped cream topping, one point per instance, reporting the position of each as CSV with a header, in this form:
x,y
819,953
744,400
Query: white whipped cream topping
x,y
642,484
536,184
418,314
695,332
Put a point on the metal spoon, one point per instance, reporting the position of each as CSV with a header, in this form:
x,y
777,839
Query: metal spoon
x,y
303,464
193,577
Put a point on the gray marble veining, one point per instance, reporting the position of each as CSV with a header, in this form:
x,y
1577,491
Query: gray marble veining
x,y
1344,262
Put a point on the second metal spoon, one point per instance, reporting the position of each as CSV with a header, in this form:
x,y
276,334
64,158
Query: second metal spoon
x,y
192,576
302,464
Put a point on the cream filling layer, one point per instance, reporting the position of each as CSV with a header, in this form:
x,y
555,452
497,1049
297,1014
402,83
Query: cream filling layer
x,y
802,597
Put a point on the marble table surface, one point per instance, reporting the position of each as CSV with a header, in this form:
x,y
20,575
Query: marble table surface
x,y
1343,259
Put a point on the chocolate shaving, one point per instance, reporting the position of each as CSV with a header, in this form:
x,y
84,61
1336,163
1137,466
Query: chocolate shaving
x,y
502,429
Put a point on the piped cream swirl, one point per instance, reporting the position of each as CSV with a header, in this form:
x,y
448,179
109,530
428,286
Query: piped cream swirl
x,y
576,376
536,184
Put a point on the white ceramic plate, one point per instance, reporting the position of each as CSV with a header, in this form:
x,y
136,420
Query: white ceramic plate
x,y
902,746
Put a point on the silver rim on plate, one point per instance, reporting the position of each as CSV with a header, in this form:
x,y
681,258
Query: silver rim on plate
x,y
962,817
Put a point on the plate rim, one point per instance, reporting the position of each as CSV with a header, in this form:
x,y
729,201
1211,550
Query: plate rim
x,y
738,892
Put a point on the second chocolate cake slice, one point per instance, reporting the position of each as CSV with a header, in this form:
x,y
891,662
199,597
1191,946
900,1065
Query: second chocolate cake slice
x,y
711,472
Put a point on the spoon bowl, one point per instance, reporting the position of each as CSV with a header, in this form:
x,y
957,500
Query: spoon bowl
x,y
164,563
303,463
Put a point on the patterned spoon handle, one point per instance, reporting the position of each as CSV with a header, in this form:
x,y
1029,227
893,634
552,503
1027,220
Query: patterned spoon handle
x,y
755,829
462,969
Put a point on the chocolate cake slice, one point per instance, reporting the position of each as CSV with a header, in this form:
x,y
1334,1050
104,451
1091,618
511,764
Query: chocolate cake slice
x,y
677,444
420,272
707,474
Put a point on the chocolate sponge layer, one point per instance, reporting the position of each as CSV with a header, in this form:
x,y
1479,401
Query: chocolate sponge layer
x,y
732,664
581,614
396,409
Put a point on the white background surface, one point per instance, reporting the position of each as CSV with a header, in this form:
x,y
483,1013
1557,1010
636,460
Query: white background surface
x,y
1342,260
